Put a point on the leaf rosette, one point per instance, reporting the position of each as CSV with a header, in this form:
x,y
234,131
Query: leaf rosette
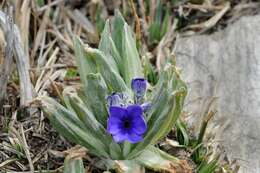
x,y
113,86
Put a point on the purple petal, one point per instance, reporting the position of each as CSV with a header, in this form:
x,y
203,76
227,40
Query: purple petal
x,y
114,125
117,112
133,137
139,85
120,137
139,125
134,110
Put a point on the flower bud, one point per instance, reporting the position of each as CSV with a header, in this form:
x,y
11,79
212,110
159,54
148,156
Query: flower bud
x,y
115,99
139,86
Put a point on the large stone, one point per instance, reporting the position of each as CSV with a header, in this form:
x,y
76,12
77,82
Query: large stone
x,y
226,65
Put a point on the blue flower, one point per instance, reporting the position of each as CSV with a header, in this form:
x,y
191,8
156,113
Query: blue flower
x,y
126,123
139,86
116,99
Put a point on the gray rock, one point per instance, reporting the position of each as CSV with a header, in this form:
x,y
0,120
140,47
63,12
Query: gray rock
x,y
226,65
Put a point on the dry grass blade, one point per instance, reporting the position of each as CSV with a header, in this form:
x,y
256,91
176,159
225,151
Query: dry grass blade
x,y
56,89
76,151
60,36
85,23
172,143
203,7
26,148
142,10
7,162
12,120
40,34
22,62
42,58
8,52
152,11
40,154
58,74
205,121
212,21
163,49
22,142
42,78
57,2
246,6
244,9
122,167
23,65
137,26
23,18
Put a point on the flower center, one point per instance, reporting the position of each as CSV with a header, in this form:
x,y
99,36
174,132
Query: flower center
x,y
127,124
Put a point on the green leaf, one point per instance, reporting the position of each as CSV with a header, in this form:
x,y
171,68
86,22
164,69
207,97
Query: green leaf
x,y
40,3
119,44
89,120
73,165
100,22
93,61
149,72
71,72
126,148
118,23
158,160
160,24
115,151
206,167
108,47
96,93
132,63
69,126
112,78
154,33
155,28
125,43
182,136
67,93
165,23
199,152
86,63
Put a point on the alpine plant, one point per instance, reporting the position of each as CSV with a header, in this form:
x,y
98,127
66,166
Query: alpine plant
x,y
116,114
